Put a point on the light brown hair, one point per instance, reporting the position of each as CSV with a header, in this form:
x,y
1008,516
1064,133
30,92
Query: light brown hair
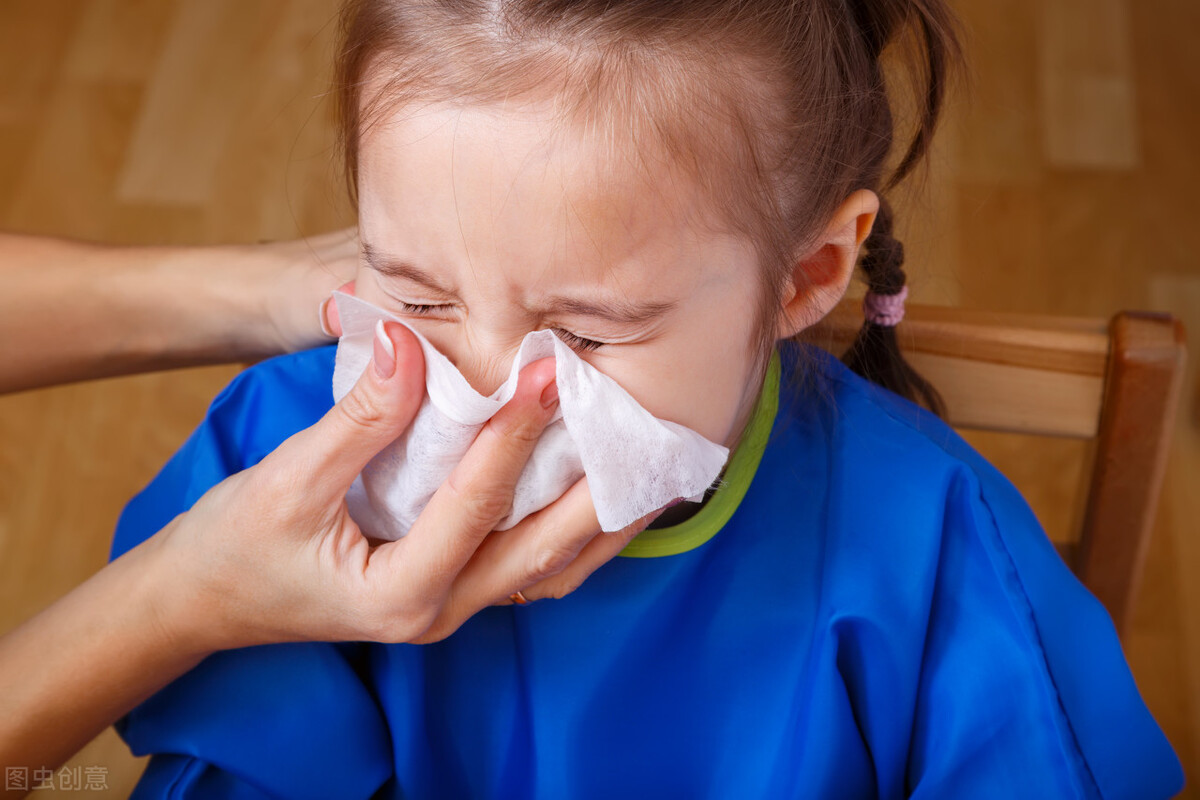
x,y
777,110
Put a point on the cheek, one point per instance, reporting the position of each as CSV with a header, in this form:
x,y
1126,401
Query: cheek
x,y
702,383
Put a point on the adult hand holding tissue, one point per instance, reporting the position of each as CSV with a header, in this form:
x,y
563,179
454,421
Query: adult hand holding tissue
x,y
634,462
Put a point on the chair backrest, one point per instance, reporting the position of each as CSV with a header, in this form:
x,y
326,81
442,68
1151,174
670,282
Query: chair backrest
x,y
1116,382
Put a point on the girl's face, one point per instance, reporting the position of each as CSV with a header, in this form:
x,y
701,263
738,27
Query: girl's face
x,y
477,228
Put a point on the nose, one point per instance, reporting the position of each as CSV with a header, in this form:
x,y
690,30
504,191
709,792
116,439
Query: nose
x,y
486,368
485,382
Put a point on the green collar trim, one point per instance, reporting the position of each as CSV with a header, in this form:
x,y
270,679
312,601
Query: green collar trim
x,y
698,529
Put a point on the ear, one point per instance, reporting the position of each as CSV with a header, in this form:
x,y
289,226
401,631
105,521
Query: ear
x,y
821,276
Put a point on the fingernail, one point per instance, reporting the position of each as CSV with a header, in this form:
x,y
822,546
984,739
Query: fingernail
x,y
322,317
385,353
550,394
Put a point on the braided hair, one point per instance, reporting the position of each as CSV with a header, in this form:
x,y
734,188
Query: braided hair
x,y
875,353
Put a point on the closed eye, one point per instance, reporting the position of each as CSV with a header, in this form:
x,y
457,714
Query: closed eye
x,y
577,342
410,308
572,340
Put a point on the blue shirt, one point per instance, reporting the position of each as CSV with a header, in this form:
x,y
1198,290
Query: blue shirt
x,y
866,608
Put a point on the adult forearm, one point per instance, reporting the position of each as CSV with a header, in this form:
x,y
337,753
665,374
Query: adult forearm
x,y
73,311
79,665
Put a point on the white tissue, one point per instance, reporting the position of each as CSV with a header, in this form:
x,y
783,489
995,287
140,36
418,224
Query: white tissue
x,y
634,462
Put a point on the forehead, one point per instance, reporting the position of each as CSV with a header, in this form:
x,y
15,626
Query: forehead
x,y
515,174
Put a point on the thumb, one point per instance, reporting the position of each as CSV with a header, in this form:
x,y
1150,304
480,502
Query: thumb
x,y
371,416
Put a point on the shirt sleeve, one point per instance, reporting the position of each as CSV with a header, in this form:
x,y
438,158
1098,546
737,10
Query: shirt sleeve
x,y
290,720
1024,689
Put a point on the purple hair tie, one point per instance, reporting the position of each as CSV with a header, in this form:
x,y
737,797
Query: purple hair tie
x,y
885,309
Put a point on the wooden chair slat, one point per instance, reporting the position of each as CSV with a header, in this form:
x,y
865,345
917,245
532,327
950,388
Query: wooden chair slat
x,y
1036,401
1141,395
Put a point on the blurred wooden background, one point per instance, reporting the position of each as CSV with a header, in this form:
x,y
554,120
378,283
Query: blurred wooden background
x,y
1063,184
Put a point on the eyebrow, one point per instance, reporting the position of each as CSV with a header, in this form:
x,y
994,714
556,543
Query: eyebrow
x,y
614,310
398,268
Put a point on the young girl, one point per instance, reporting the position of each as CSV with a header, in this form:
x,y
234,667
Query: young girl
x,y
863,608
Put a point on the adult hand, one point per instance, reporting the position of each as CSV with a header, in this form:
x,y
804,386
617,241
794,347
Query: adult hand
x,y
271,553
303,272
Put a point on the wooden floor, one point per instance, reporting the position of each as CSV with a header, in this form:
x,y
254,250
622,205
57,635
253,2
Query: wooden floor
x,y
1065,185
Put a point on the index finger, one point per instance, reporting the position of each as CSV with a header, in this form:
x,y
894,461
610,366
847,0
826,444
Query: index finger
x,y
478,493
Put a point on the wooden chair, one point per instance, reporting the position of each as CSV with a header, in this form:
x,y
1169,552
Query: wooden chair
x,y
1116,382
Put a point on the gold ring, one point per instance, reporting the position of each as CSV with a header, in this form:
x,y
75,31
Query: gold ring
x,y
518,598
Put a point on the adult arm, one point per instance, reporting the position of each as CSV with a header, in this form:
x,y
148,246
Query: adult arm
x,y
270,554
74,311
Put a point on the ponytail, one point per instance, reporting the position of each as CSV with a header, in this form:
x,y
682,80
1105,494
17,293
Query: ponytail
x,y
875,353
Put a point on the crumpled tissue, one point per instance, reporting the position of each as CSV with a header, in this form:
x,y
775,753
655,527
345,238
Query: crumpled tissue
x,y
635,463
